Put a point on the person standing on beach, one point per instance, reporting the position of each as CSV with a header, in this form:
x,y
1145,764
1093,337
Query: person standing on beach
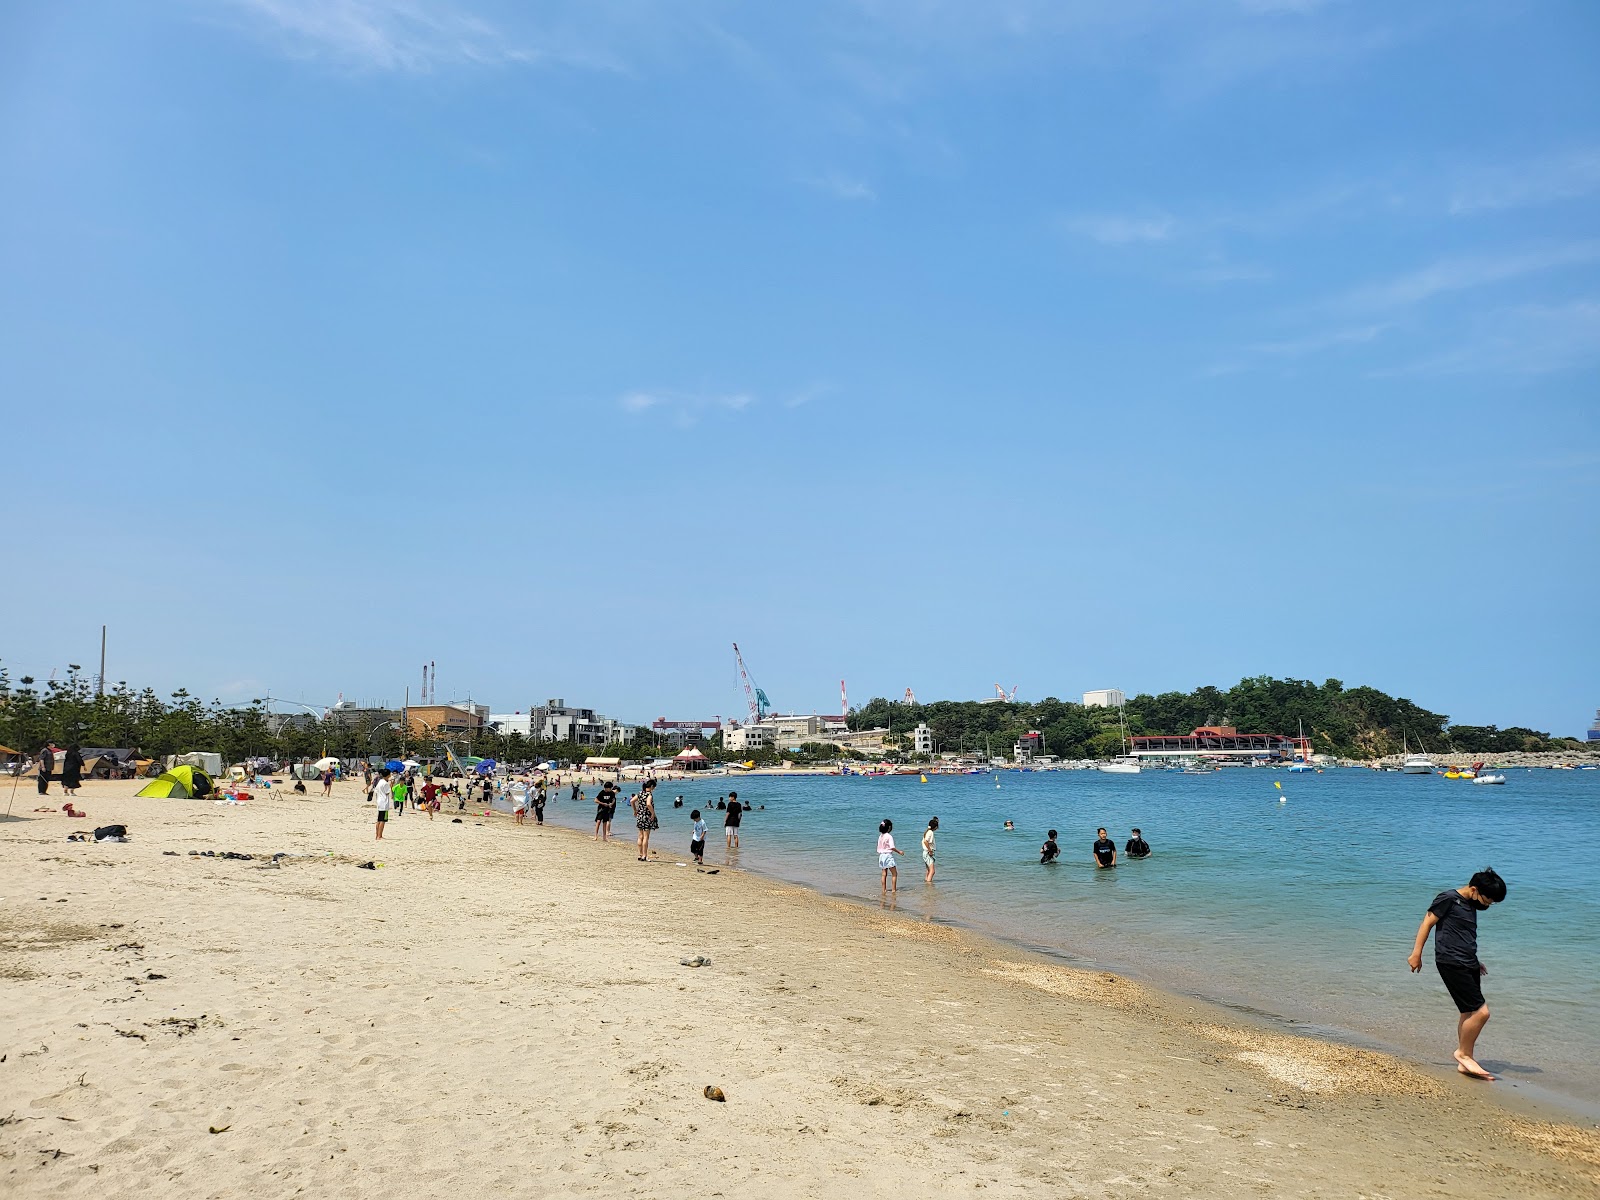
x,y
644,817
327,781
605,807
1105,850
886,852
730,823
72,770
383,794
397,794
928,847
519,802
1455,953
538,805
47,763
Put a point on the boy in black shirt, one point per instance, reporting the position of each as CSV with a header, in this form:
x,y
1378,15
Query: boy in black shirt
x,y
1137,847
1105,850
1049,852
1455,953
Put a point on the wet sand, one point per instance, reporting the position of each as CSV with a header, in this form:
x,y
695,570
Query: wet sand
x,y
503,1009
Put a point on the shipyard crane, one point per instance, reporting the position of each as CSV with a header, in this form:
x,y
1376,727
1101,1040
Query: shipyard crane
x,y
754,697
844,701
911,697
1000,693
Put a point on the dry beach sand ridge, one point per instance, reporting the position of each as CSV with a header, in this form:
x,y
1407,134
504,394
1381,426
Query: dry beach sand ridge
x,y
506,1011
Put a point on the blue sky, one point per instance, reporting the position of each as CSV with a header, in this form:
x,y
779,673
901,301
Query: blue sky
x,y
911,342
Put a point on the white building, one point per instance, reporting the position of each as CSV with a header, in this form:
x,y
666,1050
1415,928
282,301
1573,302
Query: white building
x,y
509,723
922,739
1105,698
746,737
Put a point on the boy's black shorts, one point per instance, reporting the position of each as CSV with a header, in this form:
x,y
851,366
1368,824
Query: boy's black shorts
x,y
1463,985
696,849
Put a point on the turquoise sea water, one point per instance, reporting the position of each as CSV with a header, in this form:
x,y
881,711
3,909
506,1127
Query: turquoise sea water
x,y
1303,911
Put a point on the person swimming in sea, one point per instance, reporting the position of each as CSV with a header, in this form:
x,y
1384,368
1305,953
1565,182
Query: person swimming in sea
x,y
1050,851
1009,826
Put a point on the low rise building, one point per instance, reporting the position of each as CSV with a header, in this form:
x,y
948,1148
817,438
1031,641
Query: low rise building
x,y
922,739
1105,698
509,723
738,738
1029,746
448,719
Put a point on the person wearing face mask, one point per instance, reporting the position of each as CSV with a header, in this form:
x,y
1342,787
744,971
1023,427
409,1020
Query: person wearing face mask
x,y
1454,915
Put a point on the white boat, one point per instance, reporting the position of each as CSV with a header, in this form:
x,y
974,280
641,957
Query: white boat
x,y
1121,766
1127,764
1489,779
1416,763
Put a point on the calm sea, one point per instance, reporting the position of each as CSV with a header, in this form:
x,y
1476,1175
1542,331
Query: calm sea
x,y
1297,903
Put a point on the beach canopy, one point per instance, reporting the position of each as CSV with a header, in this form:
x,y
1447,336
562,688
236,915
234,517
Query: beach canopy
x,y
323,764
180,783
486,766
690,760
607,763
394,764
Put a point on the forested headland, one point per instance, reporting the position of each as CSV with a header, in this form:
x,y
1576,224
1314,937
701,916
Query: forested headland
x,y
1358,722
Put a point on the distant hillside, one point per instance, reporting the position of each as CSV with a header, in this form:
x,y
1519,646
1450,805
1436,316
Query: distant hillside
x,y
1359,722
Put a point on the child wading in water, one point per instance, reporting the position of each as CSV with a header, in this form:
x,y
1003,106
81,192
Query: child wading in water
x,y
697,840
1455,953
886,853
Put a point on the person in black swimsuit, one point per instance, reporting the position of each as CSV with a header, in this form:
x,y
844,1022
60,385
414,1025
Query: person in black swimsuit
x,y
1137,847
1050,851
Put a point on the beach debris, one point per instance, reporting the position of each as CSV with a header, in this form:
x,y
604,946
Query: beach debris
x,y
699,960
219,1128
713,1092
367,866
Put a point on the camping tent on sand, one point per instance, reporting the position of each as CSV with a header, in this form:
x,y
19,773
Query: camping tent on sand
x,y
180,783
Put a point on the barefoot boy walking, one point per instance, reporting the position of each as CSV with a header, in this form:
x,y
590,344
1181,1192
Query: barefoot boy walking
x,y
1455,952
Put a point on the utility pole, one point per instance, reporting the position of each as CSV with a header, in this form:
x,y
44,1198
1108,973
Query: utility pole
x,y
102,690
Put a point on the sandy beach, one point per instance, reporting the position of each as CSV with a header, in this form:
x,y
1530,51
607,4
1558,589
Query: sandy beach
x,y
505,1010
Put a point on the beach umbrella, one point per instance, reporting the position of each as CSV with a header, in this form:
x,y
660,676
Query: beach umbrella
x,y
394,764
324,764
411,762
486,767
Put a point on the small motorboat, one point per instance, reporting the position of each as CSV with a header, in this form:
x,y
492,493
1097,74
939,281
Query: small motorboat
x,y
1489,779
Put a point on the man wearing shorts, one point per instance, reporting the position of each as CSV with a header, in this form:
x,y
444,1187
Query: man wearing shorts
x,y
383,794
1454,914
730,823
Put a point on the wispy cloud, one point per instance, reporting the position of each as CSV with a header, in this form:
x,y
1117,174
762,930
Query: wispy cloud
x,y
1112,229
1547,180
1316,343
401,35
841,186
684,408
1534,339
1471,271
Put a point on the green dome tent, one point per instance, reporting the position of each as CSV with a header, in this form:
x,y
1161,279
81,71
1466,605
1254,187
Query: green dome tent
x,y
182,783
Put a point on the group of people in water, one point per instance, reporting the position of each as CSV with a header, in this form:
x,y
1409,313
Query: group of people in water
x,y
1103,853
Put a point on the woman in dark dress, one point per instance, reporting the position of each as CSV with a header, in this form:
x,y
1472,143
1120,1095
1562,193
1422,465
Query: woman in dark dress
x,y
72,770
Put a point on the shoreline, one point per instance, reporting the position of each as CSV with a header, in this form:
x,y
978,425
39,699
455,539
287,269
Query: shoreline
x,y
1516,1096
517,991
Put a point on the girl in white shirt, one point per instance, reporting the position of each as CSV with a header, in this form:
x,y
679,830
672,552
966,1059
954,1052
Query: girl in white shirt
x,y
886,853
